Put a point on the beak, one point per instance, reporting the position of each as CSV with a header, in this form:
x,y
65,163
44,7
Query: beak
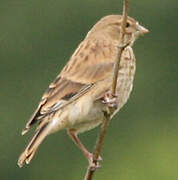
x,y
141,29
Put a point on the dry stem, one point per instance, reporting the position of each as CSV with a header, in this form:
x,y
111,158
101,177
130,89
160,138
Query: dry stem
x,y
90,171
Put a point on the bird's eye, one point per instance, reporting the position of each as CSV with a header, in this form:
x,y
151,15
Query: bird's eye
x,y
127,24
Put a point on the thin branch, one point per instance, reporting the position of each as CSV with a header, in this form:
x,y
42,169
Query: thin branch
x,y
121,48
91,170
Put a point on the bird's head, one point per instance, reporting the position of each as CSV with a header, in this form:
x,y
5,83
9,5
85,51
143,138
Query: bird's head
x,y
109,27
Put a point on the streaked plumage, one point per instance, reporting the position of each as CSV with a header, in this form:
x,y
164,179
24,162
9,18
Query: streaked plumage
x,y
73,100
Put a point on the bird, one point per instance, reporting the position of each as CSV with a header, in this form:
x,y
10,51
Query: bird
x,y
79,97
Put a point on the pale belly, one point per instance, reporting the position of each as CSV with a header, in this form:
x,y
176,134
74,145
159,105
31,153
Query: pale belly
x,y
90,119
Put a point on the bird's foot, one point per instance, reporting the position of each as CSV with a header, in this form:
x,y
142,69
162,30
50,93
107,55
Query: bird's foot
x,y
94,164
110,99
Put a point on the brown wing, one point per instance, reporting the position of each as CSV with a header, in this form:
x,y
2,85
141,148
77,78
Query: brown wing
x,y
90,63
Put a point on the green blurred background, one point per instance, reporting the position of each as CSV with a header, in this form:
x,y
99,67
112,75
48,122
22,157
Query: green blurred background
x,y
37,37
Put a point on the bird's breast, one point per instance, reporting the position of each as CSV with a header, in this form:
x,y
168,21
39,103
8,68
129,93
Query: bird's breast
x,y
125,76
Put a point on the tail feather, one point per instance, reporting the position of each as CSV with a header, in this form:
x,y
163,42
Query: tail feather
x,y
32,147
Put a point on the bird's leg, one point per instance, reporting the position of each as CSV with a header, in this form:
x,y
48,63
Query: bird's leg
x,y
110,99
72,133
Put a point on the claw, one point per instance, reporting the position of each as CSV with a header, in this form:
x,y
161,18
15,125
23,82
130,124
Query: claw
x,y
94,165
100,158
110,100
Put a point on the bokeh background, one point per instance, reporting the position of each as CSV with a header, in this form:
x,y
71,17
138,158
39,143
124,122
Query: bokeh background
x,y
37,38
